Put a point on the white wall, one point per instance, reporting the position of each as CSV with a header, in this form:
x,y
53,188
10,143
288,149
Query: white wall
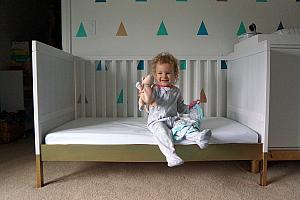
x,y
182,20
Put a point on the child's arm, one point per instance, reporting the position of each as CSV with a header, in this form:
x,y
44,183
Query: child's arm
x,y
182,108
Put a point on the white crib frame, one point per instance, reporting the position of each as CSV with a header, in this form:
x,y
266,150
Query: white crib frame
x,y
59,77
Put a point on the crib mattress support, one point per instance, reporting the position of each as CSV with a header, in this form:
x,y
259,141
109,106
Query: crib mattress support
x,y
149,153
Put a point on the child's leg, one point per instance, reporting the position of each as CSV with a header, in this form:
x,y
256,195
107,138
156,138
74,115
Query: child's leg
x,y
162,135
201,138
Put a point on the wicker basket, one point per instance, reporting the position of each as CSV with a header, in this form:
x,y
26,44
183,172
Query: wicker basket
x,y
10,131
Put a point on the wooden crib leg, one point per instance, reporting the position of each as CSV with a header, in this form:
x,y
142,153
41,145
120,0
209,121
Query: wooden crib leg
x,y
255,166
263,170
39,172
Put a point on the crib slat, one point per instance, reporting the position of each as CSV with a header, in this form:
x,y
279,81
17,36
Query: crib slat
x,y
134,80
208,89
103,86
188,82
82,73
125,87
180,81
146,68
219,89
109,89
75,88
146,72
93,88
224,94
197,77
114,88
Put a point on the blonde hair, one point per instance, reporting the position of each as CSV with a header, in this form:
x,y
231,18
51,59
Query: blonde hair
x,y
162,58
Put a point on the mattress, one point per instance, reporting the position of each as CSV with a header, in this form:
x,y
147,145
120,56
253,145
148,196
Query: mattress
x,y
116,131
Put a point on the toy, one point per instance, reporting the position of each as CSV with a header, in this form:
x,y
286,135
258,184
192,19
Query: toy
x,y
146,94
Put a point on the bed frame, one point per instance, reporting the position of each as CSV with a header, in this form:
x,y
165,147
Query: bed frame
x,y
67,87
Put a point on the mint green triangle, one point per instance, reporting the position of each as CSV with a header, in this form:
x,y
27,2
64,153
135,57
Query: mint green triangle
x,y
81,31
162,29
182,64
120,98
202,30
242,29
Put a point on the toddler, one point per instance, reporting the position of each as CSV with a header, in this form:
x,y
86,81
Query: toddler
x,y
169,102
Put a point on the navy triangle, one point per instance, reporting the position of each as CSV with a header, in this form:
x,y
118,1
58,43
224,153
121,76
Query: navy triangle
x,y
223,64
202,30
140,65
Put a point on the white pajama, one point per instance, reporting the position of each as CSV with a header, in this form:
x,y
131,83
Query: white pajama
x,y
161,119
163,136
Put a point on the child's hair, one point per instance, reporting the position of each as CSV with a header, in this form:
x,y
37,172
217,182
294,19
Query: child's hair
x,y
165,57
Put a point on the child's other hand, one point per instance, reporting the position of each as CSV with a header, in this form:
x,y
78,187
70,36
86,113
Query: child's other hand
x,y
196,101
140,92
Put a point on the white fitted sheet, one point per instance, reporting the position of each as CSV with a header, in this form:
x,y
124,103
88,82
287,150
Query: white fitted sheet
x,y
113,131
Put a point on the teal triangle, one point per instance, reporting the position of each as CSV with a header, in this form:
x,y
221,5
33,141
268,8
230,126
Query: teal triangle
x,y
202,30
242,29
223,64
280,26
99,1
140,65
261,1
120,98
162,29
81,31
182,64
98,68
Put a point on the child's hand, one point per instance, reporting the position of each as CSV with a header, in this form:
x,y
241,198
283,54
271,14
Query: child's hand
x,y
140,92
196,101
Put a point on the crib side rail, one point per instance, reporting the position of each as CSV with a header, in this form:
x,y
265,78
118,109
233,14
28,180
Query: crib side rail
x,y
53,89
106,85
248,88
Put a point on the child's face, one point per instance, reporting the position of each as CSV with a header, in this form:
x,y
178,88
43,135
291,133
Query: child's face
x,y
164,74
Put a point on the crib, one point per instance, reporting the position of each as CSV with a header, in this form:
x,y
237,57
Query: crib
x,y
69,88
